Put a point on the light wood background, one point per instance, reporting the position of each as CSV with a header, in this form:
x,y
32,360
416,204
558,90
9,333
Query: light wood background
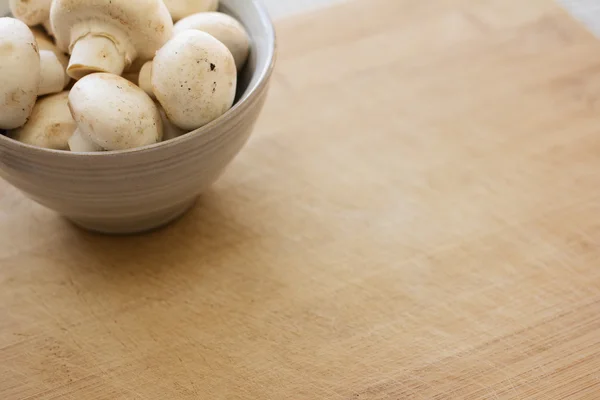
x,y
417,217
587,11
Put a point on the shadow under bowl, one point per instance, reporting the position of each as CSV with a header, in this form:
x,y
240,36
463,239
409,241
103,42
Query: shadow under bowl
x,y
122,192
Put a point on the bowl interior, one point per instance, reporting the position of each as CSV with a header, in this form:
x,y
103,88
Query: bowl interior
x,y
253,15
256,21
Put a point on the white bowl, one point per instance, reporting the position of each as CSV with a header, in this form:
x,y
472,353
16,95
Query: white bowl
x,y
142,189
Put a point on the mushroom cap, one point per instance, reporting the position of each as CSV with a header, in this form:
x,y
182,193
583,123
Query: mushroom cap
x,y
182,8
223,27
147,23
50,124
19,72
194,78
32,12
114,113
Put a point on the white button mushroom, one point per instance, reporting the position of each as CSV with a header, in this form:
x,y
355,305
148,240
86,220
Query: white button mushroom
x,y
108,35
114,113
182,8
194,78
82,144
53,75
170,131
32,12
19,73
145,79
54,63
223,27
50,124
133,71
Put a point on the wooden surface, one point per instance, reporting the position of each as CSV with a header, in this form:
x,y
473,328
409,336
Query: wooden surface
x,y
417,217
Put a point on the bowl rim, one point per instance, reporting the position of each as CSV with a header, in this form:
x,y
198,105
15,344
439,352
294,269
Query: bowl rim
x,y
241,105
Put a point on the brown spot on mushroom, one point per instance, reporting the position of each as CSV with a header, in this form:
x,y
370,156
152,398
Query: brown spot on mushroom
x,y
118,17
6,49
13,98
54,130
104,52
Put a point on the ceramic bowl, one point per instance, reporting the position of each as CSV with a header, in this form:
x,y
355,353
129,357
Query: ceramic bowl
x,y
141,189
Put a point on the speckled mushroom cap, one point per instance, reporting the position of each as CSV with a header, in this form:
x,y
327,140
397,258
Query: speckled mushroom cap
x,y
19,73
223,27
194,78
114,113
115,31
182,8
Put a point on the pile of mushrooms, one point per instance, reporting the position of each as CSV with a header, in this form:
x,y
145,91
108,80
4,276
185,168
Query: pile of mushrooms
x,y
139,71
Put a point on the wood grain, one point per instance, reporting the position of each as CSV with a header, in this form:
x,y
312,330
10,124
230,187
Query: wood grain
x,y
417,217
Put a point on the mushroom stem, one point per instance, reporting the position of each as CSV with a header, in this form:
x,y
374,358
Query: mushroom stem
x,y
52,73
170,131
80,143
93,53
145,79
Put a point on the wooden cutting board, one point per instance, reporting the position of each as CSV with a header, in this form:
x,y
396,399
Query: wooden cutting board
x,y
417,217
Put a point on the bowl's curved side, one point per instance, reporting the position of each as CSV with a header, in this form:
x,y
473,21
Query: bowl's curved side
x,y
132,194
